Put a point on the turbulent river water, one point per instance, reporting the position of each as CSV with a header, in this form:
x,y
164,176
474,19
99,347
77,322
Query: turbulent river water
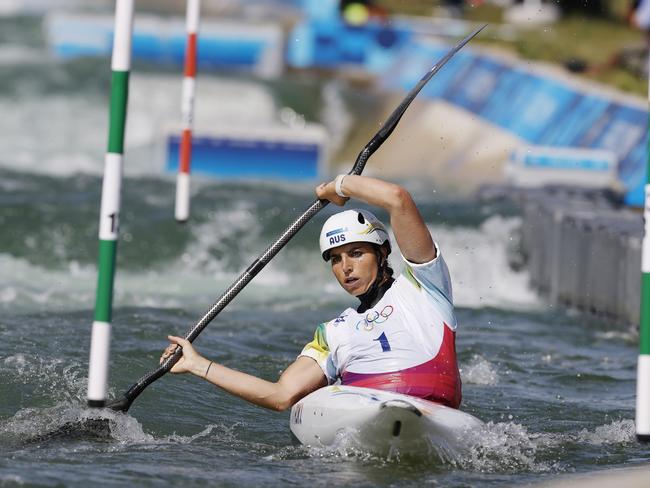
x,y
555,389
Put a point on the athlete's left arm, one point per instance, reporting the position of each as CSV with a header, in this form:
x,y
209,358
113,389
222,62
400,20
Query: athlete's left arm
x,y
302,377
411,233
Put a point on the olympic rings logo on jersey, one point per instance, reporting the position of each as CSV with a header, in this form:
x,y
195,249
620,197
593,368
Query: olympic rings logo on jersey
x,y
373,318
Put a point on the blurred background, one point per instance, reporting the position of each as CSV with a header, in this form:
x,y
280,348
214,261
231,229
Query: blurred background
x,y
319,75
526,154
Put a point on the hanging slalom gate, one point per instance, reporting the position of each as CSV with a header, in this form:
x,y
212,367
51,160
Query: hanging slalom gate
x,y
643,366
109,217
182,210
112,182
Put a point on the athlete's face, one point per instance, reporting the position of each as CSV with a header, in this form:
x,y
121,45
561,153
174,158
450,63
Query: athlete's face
x,y
355,266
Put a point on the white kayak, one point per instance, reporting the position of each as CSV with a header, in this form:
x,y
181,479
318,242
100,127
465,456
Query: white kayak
x,y
381,422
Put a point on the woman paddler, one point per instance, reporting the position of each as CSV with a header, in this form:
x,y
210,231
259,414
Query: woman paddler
x,y
401,336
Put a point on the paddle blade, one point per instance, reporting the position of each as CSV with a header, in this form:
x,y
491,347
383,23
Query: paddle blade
x,y
387,128
121,405
94,428
378,139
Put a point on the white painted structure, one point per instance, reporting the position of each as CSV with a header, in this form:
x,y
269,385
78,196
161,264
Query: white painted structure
x,y
532,166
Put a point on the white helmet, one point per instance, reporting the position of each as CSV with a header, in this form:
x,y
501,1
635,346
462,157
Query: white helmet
x,y
351,226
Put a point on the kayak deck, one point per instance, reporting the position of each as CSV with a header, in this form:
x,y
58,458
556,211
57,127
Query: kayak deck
x,y
379,421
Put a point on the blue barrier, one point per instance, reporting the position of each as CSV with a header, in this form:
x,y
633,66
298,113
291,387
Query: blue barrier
x,y
237,158
539,108
326,43
229,45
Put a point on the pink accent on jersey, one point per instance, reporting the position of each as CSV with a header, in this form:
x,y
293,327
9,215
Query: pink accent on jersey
x,y
437,380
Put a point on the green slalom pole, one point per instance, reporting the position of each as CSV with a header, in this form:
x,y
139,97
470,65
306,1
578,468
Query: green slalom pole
x,y
643,365
110,205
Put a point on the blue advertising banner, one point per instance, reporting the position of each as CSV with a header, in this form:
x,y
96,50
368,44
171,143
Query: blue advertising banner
x,y
235,159
542,109
580,116
482,79
331,43
539,108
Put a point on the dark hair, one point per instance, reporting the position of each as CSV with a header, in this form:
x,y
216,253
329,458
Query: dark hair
x,y
382,262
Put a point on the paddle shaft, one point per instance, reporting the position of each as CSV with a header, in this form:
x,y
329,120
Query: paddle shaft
x,y
378,139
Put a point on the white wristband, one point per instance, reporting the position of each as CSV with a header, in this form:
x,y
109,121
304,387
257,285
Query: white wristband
x,y
337,186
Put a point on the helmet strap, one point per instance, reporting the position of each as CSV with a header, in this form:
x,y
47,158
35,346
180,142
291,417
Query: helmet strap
x,y
383,281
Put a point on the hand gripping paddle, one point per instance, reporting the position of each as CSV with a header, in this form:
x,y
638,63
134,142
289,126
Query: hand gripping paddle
x,y
378,139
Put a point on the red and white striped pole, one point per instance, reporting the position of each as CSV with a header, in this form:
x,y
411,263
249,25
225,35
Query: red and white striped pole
x,y
182,211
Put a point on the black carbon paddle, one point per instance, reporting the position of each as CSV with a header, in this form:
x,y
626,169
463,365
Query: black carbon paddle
x,y
100,427
378,139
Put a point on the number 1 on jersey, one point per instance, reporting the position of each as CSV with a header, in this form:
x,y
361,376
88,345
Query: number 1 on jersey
x,y
383,340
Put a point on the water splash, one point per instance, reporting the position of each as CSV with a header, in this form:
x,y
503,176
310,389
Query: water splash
x,y
335,116
504,447
52,378
479,265
235,228
479,371
495,448
629,336
501,447
74,144
478,260
229,240
617,432
102,428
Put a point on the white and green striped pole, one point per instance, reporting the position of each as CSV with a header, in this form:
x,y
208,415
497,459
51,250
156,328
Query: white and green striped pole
x,y
182,210
110,206
643,365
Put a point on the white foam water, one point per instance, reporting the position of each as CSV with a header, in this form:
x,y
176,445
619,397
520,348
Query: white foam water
x,y
616,432
73,144
10,8
335,116
52,377
37,425
76,142
16,55
507,446
68,288
497,447
154,111
629,335
503,446
477,259
479,371
478,263
494,448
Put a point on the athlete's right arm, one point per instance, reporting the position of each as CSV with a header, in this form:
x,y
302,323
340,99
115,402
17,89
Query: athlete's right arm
x,y
411,233
301,378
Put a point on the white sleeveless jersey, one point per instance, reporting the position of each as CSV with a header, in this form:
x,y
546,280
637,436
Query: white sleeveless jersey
x,y
404,329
